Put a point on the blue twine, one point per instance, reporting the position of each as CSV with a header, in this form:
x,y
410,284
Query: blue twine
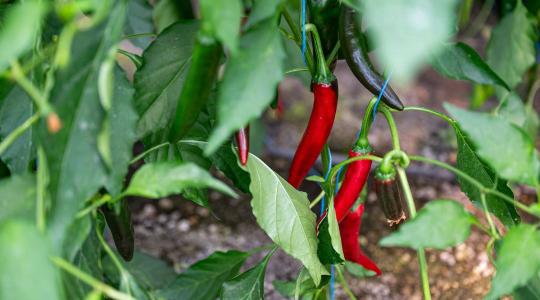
x,y
380,96
303,20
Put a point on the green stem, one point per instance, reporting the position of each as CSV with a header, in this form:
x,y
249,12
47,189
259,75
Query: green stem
x,y
366,124
344,283
392,125
145,153
34,93
476,183
333,54
109,251
480,19
298,37
493,229
104,199
317,200
41,188
91,281
17,132
386,166
297,70
422,263
532,92
139,35
435,113
323,73
335,169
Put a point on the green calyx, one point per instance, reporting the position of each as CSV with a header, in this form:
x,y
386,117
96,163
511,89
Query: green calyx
x,y
385,173
362,147
322,71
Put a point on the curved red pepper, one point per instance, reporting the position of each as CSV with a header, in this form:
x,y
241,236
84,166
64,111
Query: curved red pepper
x,y
355,179
317,132
349,230
242,141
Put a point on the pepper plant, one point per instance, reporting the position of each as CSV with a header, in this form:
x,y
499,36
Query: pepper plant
x,y
81,81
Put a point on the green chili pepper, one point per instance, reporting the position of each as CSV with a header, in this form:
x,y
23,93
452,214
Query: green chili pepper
x,y
324,14
198,84
354,47
118,219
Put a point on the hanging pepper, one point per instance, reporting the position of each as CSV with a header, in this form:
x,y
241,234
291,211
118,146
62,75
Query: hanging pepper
x,y
349,230
354,48
199,81
242,142
119,221
389,197
325,91
324,14
357,171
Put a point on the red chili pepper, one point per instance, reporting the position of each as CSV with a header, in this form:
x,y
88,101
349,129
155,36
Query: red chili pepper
x,y
242,141
349,229
317,132
355,179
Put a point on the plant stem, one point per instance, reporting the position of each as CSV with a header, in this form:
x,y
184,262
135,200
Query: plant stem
x,y
34,93
297,70
104,199
109,251
392,125
435,113
476,183
480,19
333,54
18,132
344,284
335,169
41,188
145,153
422,263
317,200
493,229
91,281
298,37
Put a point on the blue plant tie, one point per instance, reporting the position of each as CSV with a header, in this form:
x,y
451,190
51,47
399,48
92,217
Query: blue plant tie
x,y
303,21
380,96
332,281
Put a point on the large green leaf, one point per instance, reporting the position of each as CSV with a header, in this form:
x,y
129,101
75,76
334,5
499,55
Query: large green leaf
x,y
517,260
250,81
121,134
159,180
248,285
18,198
502,145
329,248
221,18
529,291
139,20
514,110
439,224
166,12
511,49
76,168
406,32
20,26
468,162
16,108
26,271
203,280
459,61
262,10
284,214
159,81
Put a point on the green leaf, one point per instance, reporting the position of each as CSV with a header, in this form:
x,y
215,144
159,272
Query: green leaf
x,y
226,161
514,110
405,42
20,27
439,224
502,145
122,119
511,50
329,247
150,272
27,271
221,19
357,270
262,10
529,291
76,168
139,20
516,261
248,285
203,280
157,180
459,61
159,81
166,12
276,203
16,108
78,232
18,198
470,163
250,81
